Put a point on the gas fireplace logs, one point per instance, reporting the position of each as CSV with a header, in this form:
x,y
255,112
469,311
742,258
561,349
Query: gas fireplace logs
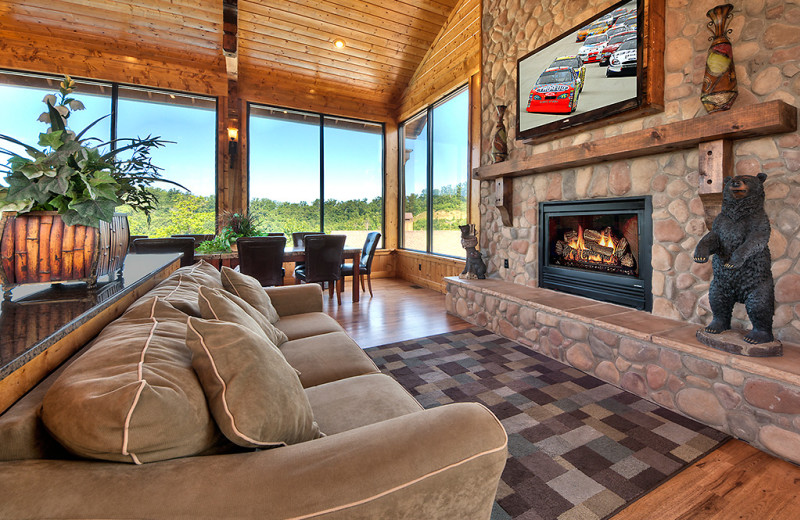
x,y
593,247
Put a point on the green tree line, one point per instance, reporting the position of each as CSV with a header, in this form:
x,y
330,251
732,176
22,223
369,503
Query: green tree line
x,y
180,213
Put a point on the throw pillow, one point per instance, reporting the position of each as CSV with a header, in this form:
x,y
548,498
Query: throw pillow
x,y
254,394
224,306
249,289
133,396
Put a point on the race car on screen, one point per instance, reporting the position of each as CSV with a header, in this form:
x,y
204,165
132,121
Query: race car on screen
x,y
591,48
576,64
555,92
623,61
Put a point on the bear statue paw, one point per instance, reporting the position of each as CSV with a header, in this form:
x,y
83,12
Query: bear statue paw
x,y
716,327
755,337
700,259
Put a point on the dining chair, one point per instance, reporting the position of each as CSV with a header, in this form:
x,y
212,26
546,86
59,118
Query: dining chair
x,y
183,245
365,263
131,239
262,258
323,262
276,234
198,239
298,240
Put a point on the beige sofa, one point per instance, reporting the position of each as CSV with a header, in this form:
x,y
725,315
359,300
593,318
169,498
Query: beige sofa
x,y
382,455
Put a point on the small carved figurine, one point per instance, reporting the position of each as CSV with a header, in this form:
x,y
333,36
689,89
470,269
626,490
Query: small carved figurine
x,y
475,268
742,264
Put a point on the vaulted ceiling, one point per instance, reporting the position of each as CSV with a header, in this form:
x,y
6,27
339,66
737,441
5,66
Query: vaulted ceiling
x,y
279,43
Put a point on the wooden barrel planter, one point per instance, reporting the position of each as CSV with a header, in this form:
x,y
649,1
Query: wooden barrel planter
x,y
37,247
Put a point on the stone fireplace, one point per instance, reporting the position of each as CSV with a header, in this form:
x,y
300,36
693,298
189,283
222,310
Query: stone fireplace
x,y
598,248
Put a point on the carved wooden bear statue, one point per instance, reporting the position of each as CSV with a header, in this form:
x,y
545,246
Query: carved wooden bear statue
x,y
739,240
474,268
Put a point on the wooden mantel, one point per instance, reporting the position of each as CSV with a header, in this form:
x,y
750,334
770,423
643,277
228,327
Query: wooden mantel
x,y
772,117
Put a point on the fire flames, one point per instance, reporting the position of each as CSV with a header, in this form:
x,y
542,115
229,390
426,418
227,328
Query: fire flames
x,y
580,252
592,247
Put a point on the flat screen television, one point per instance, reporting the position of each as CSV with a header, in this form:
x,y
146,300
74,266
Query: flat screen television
x,y
588,73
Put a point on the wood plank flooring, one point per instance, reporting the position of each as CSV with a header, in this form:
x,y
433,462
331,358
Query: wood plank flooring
x,y
398,311
736,481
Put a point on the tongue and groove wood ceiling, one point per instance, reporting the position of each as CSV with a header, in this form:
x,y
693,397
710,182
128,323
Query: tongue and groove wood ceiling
x,y
280,42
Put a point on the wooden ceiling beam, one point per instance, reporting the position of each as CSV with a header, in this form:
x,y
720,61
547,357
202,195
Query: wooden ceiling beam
x,y
230,37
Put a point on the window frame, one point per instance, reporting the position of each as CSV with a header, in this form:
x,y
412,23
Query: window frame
x,y
321,123
113,116
428,111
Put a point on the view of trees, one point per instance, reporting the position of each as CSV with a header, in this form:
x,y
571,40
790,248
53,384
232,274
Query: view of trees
x,y
183,213
449,207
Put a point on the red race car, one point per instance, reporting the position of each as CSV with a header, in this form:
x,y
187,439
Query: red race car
x,y
613,44
555,92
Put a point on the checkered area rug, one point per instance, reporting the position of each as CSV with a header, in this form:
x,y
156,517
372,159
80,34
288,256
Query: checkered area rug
x,y
579,448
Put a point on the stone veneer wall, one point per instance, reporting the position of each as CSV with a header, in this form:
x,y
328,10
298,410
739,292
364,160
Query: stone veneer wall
x,y
752,401
766,44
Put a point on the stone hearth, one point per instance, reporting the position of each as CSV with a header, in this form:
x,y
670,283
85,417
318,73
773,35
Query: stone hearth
x,y
754,399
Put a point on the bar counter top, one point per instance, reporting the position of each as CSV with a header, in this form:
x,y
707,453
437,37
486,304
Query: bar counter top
x,y
38,316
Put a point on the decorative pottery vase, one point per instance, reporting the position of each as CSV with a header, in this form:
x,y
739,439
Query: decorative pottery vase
x,y
719,83
37,247
499,147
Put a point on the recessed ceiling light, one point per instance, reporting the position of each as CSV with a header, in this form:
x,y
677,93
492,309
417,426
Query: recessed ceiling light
x,y
338,43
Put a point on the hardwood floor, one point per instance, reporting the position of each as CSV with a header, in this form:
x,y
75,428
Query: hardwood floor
x,y
398,311
736,481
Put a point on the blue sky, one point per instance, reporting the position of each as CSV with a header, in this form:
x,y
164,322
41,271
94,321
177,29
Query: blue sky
x,y
284,158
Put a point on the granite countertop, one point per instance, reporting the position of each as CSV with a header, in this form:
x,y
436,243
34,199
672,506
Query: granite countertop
x,y
38,315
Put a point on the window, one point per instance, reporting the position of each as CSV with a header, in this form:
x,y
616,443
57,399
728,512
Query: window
x,y
188,121
23,97
435,174
298,159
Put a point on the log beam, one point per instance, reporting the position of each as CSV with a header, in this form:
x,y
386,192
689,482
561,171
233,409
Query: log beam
x,y
772,117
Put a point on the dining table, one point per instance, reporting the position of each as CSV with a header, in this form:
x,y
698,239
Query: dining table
x,y
290,254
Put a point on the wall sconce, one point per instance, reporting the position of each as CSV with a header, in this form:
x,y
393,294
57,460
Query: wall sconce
x,y
233,144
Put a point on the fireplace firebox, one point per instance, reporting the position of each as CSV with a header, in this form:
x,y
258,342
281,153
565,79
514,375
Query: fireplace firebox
x,y
598,248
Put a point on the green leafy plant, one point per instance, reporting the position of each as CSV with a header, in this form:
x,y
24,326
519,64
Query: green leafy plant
x,y
82,178
234,225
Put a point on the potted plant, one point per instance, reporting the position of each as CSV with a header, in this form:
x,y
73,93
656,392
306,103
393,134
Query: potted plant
x,y
58,221
232,226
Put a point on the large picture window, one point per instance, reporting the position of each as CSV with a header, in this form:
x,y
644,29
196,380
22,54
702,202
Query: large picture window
x,y
188,121
298,159
434,176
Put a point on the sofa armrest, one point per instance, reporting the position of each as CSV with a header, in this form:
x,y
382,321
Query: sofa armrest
x,y
296,299
441,463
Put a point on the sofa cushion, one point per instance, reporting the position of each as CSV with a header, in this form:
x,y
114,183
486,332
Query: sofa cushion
x,y
254,395
180,288
308,324
249,289
133,396
221,305
358,401
327,357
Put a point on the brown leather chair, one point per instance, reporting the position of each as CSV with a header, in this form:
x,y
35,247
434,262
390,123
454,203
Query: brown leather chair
x,y
183,245
262,258
131,239
298,240
365,263
276,234
198,239
323,262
